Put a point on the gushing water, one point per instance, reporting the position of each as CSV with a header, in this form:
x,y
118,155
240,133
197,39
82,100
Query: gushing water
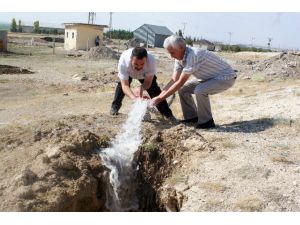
x,y
118,158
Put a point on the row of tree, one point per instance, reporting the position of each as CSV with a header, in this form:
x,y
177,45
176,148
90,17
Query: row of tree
x,y
36,28
238,48
15,28
119,34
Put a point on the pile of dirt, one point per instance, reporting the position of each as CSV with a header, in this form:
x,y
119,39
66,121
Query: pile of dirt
x,y
157,158
284,66
6,69
134,42
66,176
101,52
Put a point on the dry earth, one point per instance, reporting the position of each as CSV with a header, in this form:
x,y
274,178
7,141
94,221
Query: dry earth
x,y
53,119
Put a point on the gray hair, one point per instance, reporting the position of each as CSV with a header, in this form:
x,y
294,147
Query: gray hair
x,y
174,41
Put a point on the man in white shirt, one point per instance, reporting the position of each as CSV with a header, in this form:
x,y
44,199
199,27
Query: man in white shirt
x,y
137,64
212,75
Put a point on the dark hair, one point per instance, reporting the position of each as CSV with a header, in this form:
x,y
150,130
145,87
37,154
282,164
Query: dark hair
x,y
139,52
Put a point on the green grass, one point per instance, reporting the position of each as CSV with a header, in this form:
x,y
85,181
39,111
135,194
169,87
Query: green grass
x,y
149,147
3,81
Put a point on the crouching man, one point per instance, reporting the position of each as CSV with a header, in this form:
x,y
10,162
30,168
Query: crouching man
x,y
137,64
212,75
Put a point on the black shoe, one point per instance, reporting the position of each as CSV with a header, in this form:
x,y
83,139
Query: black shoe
x,y
171,118
114,112
192,120
207,125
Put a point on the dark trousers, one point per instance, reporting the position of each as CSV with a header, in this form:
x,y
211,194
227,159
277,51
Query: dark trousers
x,y
153,91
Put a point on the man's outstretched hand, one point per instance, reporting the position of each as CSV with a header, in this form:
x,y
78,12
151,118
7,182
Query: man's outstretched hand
x,y
155,101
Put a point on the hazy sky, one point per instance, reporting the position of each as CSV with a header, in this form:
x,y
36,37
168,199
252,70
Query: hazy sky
x,y
284,28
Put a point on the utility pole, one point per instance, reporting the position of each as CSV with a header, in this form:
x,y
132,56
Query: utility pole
x,y
92,16
110,24
184,24
230,33
252,39
110,21
269,41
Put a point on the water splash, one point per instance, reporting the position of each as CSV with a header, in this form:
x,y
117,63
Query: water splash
x,y
118,158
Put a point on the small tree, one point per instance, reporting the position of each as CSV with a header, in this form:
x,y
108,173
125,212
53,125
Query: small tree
x,y
20,26
13,26
180,33
189,41
36,26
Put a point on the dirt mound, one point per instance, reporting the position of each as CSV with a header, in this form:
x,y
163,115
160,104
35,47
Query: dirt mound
x,y
66,176
134,42
6,69
283,66
157,158
101,52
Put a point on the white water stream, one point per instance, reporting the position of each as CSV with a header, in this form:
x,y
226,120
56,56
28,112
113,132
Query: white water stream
x,y
120,196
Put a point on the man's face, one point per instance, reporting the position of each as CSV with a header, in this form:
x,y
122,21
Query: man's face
x,y
176,53
138,64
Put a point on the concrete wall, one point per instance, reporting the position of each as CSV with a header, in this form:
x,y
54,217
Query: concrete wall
x,y
70,39
84,37
3,40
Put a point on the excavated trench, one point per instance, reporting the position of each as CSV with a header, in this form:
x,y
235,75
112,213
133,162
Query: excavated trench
x,y
6,69
151,167
68,174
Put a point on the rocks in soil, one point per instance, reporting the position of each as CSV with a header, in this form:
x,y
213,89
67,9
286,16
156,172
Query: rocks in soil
x,y
101,52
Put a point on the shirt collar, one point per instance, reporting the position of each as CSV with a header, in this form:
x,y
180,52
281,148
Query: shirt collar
x,y
185,54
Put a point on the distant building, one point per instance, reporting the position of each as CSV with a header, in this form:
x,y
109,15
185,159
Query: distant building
x,y
204,44
29,29
3,40
152,35
81,36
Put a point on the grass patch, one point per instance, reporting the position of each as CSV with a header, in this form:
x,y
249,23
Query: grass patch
x,y
282,159
258,78
215,187
149,147
228,144
4,81
282,121
212,203
250,204
103,141
179,177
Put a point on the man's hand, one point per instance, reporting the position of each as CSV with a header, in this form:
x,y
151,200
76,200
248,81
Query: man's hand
x,y
155,101
138,92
